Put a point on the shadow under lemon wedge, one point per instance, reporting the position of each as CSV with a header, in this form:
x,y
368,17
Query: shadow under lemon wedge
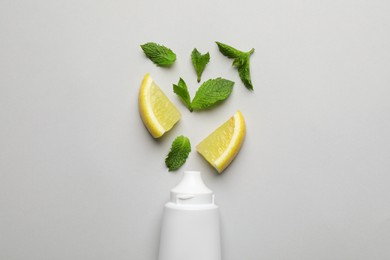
x,y
158,113
222,145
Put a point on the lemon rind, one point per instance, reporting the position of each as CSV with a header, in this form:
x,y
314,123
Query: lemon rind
x,y
234,146
150,120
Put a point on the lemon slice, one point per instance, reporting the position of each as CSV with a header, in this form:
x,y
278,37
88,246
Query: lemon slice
x,y
158,113
222,145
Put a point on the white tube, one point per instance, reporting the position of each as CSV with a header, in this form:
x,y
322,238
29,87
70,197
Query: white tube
x,y
190,227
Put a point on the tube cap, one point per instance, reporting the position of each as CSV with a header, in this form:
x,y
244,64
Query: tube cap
x,y
192,190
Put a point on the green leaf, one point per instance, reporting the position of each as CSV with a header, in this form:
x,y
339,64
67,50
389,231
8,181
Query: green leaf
x,y
199,61
159,54
241,62
182,91
245,75
177,156
212,92
228,51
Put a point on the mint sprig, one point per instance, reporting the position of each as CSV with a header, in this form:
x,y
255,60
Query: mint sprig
x,y
210,93
178,154
241,62
159,54
199,61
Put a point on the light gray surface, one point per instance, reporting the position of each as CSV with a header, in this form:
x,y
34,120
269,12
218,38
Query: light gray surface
x,y
81,178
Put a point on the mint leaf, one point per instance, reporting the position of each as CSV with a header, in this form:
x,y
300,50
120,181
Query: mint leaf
x,y
199,61
159,54
212,92
241,62
182,91
228,51
245,75
177,156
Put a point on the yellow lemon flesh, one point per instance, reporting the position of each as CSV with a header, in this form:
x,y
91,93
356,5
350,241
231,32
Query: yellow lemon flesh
x,y
222,145
158,113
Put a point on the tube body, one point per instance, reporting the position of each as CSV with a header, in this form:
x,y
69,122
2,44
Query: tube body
x,y
190,233
190,226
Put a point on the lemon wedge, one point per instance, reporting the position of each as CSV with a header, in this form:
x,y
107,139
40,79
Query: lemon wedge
x,y
222,145
158,113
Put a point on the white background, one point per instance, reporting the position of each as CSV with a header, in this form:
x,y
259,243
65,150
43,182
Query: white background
x,y
82,179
